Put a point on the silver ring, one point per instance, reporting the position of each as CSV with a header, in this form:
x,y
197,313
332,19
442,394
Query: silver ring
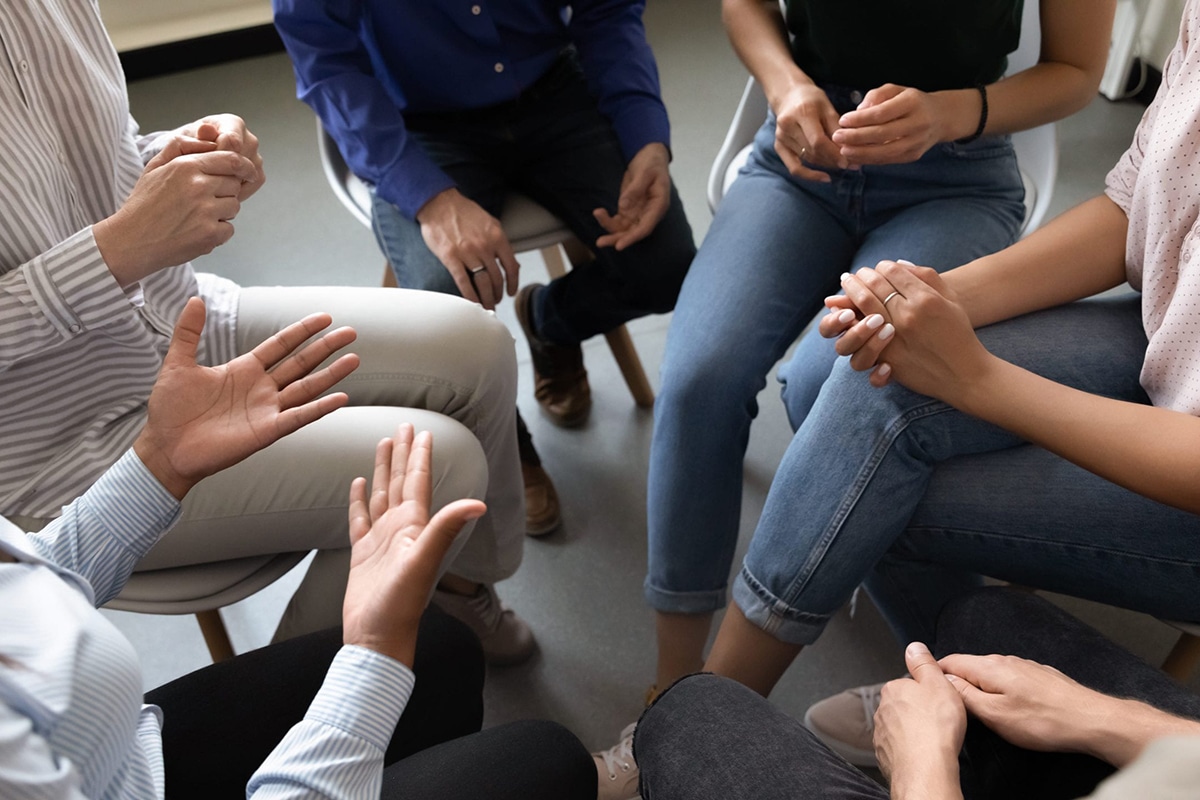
x,y
803,152
477,270
890,296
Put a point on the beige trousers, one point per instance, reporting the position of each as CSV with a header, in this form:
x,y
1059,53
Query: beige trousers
x,y
435,360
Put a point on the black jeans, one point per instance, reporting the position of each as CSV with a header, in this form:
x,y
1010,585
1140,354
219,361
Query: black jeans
x,y
708,737
222,721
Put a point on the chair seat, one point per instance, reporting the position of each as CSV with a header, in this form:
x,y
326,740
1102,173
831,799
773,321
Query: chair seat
x,y
202,587
529,226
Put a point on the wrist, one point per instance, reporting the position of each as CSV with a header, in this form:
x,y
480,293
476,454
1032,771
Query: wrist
x,y
153,457
1116,730
436,206
402,648
927,781
959,112
109,242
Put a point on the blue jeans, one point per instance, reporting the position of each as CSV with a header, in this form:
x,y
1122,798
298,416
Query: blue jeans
x,y
919,499
552,144
710,738
775,250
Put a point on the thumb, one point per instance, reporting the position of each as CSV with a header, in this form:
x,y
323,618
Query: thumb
x,y
431,546
185,340
972,696
921,663
633,192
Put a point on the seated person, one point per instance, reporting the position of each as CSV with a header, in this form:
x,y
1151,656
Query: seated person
x,y
70,723
886,137
1005,430
444,109
100,224
1049,718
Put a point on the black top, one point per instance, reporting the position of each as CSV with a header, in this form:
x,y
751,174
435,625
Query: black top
x,y
926,44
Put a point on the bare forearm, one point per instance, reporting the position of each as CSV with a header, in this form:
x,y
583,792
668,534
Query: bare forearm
x,y
1118,730
1148,450
759,37
1076,255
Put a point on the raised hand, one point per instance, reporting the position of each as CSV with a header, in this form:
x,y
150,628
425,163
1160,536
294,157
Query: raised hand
x,y
201,420
397,550
644,199
471,246
919,729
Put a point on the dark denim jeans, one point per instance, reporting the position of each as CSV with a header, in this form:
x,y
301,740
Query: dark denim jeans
x,y
552,144
709,738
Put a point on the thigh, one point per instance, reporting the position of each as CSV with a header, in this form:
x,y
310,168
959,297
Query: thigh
x,y
1029,517
222,721
710,738
528,760
293,495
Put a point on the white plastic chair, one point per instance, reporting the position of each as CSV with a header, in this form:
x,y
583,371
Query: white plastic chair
x,y
528,227
203,589
1037,149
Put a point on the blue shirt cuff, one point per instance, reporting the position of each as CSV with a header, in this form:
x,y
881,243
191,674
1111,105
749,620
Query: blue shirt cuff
x,y
130,504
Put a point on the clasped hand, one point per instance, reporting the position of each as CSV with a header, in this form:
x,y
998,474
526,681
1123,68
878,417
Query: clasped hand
x,y
921,335
185,201
892,125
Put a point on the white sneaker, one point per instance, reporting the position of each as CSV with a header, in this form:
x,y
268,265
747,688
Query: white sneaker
x,y
846,723
616,770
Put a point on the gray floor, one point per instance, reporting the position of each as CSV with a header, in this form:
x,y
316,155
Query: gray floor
x,y
580,589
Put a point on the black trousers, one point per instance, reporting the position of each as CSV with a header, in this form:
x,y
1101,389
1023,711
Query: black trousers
x,y
222,721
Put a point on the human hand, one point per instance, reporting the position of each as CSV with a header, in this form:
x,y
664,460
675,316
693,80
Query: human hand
x,y
645,196
396,549
804,120
892,125
919,729
931,346
471,246
201,420
182,207
1032,705
229,132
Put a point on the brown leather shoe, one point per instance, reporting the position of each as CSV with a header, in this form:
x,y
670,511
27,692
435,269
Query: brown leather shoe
x,y
542,512
560,381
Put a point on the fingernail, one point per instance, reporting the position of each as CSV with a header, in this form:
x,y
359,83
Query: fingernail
x,y
874,321
846,316
886,332
845,275
917,649
884,370
952,678
905,261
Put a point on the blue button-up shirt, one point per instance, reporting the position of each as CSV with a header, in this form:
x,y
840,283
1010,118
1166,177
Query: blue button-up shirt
x,y
361,64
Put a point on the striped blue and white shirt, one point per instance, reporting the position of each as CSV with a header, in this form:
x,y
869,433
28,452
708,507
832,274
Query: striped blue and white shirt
x,y
71,720
78,354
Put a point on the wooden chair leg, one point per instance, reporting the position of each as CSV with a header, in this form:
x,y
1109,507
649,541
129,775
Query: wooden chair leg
x,y
215,635
619,340
389,277
1183,659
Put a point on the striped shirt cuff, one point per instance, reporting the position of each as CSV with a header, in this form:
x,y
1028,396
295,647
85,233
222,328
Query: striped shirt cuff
x,y
74,287
130,504
364,694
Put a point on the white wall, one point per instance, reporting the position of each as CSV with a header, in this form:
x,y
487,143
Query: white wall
x,y
141,23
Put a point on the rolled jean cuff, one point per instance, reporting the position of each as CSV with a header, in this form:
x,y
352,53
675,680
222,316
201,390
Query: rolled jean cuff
x,y
766,611
669,602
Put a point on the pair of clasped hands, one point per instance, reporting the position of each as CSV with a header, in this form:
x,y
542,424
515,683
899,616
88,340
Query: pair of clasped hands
x,y
892,125
186,199
904,322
